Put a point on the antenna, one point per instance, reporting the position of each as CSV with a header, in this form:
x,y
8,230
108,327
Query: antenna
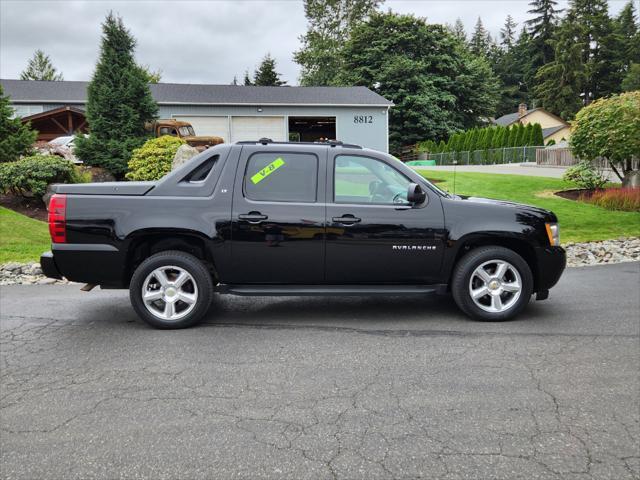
x,y
455,162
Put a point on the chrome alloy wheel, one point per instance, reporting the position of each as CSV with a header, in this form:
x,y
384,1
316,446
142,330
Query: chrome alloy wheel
x,y
495,286
169,293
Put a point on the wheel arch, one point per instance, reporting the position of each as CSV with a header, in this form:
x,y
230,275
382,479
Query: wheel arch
x,y
144,243
516,243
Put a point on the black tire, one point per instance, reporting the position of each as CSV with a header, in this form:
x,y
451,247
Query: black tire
x,y
202,291
461,280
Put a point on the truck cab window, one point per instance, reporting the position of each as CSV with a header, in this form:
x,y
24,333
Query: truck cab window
x,y
281,177
360,179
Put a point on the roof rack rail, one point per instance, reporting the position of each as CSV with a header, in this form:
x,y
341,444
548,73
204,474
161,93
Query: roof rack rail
x,y
331,143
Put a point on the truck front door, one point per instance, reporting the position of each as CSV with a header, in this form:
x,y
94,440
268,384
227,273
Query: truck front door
x,y
373,234
278,216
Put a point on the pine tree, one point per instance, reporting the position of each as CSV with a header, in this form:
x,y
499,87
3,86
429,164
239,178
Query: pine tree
x,y
235,80
508,33
488,139
247,79
542,27
626,27
119,102
16,138
266,75
513,69
458,31
40,68
480,40
560,82
600,48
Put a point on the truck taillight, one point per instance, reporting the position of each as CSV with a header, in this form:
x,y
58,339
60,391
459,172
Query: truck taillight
x,y
58,218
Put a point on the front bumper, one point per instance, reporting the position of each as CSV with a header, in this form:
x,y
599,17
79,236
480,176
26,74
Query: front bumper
x,y
551,263
49,267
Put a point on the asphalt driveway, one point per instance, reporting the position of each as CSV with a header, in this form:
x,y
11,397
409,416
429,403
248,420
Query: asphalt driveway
x,y
323,387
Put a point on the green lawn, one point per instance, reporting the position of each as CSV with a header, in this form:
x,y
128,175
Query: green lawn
x,y
22,239
579,222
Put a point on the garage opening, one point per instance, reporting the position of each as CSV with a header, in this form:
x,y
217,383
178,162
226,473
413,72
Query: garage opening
x,y
312,129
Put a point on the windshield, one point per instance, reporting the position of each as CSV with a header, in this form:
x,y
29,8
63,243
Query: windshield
x,y
187,131
431,184
61,140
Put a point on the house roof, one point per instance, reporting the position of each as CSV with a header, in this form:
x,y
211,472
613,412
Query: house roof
x,y
551,130
29,91
511,118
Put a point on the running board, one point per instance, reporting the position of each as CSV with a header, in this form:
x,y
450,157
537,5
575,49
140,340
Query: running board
x,y
326,290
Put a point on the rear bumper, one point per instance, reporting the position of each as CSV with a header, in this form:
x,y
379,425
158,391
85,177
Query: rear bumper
x,y
99,264
551,263
49,267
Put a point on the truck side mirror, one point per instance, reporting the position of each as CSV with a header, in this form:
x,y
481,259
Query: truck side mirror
x,y
415,194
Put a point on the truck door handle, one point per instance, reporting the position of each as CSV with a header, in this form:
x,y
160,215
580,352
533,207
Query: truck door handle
x,y
252,217
346,219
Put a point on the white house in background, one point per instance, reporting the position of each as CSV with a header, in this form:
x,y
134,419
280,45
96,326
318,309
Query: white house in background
x,y
233,112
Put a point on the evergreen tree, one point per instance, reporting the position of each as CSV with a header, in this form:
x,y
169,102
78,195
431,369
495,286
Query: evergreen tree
x,y
536,136
40,68
508,33
442,147
330,26
16,138
119,102
527,136
459,31
600,48
631,80
627,30
513,69
235,80
480,39
542,27
247,79
560,82
266,75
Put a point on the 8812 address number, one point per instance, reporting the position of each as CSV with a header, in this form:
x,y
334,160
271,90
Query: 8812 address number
x,y
363,119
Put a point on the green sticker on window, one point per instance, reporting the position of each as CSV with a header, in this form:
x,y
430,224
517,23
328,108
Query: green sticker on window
x,y
268,170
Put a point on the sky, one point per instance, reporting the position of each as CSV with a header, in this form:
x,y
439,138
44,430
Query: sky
x,y
201,41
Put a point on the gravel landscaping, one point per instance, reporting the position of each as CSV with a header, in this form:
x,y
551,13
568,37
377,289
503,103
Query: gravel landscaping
x,y
578,255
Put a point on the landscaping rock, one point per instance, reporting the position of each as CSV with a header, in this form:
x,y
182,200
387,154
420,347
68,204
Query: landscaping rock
x,y
578,255
183,155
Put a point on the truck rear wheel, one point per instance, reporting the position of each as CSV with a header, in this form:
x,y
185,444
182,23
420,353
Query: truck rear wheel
x,y
492,284
171,289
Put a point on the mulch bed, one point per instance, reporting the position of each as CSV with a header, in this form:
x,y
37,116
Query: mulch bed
x,y
31,207
576,193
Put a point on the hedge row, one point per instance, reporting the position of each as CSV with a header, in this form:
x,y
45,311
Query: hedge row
x,y
487,138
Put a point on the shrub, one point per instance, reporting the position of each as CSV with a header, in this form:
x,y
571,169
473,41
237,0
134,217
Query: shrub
x,y
31,175
153,160
585,175
627,199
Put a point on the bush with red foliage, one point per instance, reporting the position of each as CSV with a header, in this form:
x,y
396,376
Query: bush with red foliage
x,y
627,199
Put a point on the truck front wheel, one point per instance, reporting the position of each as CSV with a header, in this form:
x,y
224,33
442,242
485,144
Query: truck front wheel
x,y
171,289
492,284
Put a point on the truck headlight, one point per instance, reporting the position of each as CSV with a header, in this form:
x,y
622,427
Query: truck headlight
x,y
553,232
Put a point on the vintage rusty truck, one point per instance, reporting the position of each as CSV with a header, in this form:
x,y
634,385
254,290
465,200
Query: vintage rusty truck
x,y
185,131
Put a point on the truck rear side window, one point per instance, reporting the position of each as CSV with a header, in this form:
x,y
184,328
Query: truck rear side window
x,y
281,177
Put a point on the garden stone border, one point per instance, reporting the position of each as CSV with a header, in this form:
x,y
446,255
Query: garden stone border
x,y
578,255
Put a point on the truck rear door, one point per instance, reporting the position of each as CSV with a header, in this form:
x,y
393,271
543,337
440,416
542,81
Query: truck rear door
x,y
278,216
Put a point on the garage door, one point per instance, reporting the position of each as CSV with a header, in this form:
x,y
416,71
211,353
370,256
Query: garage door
x,y
218,126
254,128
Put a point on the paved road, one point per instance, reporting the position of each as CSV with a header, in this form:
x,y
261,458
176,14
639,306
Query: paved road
x,y
528,169
324,387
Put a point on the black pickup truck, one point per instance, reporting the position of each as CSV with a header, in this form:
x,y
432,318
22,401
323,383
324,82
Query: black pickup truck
x,y
268,218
